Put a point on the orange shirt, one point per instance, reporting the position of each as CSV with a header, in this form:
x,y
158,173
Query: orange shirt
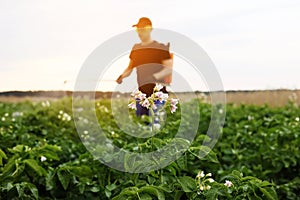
x,y
148,60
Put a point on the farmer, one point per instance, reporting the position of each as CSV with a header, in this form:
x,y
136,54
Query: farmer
x,y
147,57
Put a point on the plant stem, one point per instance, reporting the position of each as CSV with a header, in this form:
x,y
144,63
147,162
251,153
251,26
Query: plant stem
x,y
152,124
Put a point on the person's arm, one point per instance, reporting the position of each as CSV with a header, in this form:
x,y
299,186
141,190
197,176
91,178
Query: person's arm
x,y
167,62
126,72
167,70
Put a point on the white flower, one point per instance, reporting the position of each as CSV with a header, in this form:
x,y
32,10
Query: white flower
x,y
135,148
6,114
174,102
104,109
85,132
209,174
135,93
165,96
141,96
132,105
201,187
161,96
46,104
3,119
43,158
211,180
157,126
63,116
138,94
66,117
208,187
297,119
200,174
17,114
228,183
173,108
158,87
146,103
158,94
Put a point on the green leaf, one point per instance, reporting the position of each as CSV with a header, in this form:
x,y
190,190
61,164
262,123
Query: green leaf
x,y
81,171
107,193
64,178
20,190
145,196
50,155
111,187
171,169
178,194
9,168
49,151
182,162
269,193
237,174
153,191
35,166
19,148
53,148
95,189
204,153
126,193
32,189
50,183
187,183
81,187
2,155
8,186
264,184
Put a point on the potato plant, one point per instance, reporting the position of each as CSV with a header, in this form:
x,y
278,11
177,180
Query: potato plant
x,y
42,156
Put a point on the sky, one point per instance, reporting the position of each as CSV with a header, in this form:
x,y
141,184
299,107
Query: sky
x,y
254,44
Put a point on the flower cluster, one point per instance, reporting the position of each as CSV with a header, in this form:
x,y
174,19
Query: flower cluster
x,y
46,104
63,116
228,183
17,114
174,102
203,181
85,135
149,102
4,117
14,115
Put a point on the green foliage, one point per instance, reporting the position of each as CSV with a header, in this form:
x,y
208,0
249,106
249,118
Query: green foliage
x,y
42,156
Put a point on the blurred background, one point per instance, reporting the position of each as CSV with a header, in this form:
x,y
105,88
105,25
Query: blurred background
x,y
255,45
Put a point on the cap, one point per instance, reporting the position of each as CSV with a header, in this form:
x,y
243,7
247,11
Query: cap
x,y
143,21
